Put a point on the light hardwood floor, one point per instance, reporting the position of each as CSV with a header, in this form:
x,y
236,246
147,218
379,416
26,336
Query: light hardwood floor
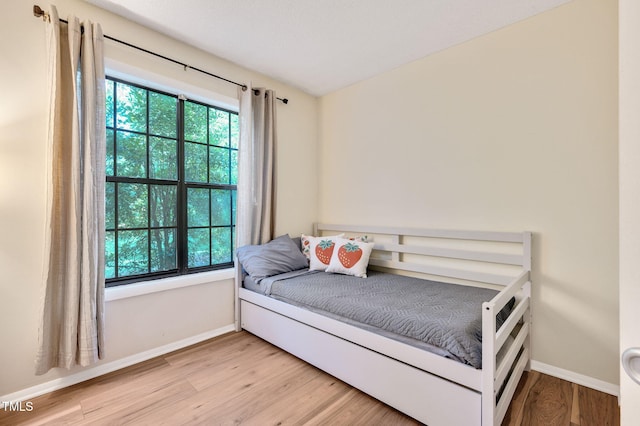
x,y
240,379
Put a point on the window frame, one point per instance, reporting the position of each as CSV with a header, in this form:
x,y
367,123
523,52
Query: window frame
x,y
181,185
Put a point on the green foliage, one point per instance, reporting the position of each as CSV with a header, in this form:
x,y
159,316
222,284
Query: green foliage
x,y
163,158
198,247
220,207
219,165
109,170
195,122
132,249
162,115
131,154
195,162
197,207
131,108
218,127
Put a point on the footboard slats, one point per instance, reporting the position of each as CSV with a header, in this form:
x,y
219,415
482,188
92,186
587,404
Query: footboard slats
x,y
515,285
505,399
507,327
507,361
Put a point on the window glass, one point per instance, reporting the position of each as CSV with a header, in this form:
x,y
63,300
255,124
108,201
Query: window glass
x,y
171,171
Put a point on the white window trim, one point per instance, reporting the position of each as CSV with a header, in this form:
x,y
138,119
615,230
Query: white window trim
x,y
164,284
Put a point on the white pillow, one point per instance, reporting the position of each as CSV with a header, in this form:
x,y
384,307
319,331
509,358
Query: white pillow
x,y
350,257
321,251
305,242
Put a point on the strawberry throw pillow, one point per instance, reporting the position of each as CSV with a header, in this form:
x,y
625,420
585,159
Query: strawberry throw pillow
x,y
350,257
320,252
305,242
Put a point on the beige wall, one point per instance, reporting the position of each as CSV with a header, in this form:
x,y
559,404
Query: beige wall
x,y
142,323
515,130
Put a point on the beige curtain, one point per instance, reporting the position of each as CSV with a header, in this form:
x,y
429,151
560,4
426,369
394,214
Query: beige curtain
x,y
256,166
71,331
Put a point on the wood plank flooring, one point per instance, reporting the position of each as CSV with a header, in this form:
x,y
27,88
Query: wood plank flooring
x,y
240,379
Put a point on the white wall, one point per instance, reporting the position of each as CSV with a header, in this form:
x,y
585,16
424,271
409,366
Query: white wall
x,y
135,325
515,130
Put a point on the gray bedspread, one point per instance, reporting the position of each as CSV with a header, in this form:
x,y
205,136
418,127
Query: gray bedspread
x,y
442,318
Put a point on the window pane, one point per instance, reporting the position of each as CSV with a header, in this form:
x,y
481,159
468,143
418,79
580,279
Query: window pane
x,y
233,239
163,250
110,154
132,205
195,122
218,127
110,205
198,250
131,108
235,131
163,156
110,255
109,88
131,150
195,162
163,203
133,252
220,207
220,245
162,115
197,207
233,206
234,167
219,164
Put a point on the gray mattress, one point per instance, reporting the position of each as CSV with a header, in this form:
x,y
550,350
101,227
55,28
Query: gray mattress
x,y
443,318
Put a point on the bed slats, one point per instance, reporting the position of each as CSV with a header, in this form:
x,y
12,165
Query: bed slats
x,y
478,256
503,404
444,272
394,246
505,237
507,361
507,327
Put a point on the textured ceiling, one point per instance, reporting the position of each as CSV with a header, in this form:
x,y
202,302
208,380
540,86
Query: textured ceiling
x,y
323,45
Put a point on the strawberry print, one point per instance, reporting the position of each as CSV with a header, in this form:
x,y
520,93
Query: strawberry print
x,y
324,250
349,254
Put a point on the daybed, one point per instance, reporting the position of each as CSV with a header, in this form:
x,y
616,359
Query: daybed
x,y
430,387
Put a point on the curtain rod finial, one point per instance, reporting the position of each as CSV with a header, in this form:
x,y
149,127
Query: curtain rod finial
x,y
39,13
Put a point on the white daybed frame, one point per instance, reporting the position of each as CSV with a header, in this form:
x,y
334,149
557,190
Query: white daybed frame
x,y
430,388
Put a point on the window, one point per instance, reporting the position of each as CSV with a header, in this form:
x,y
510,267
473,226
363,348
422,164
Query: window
x,y
171,174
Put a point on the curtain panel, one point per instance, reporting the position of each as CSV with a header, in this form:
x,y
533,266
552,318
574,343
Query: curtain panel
x,y
71,331
256,166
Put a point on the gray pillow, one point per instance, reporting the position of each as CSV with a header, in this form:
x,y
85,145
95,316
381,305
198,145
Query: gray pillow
x,y
278,256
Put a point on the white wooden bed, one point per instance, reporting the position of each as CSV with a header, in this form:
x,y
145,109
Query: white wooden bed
x,y
428,387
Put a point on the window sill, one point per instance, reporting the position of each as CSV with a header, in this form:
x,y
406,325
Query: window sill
x,y
164,284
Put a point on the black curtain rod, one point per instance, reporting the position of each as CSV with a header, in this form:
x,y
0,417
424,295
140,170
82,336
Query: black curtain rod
x,y
39,13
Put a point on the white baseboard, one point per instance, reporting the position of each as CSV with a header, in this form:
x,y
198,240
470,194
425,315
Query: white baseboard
x,y
576,378
101,369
